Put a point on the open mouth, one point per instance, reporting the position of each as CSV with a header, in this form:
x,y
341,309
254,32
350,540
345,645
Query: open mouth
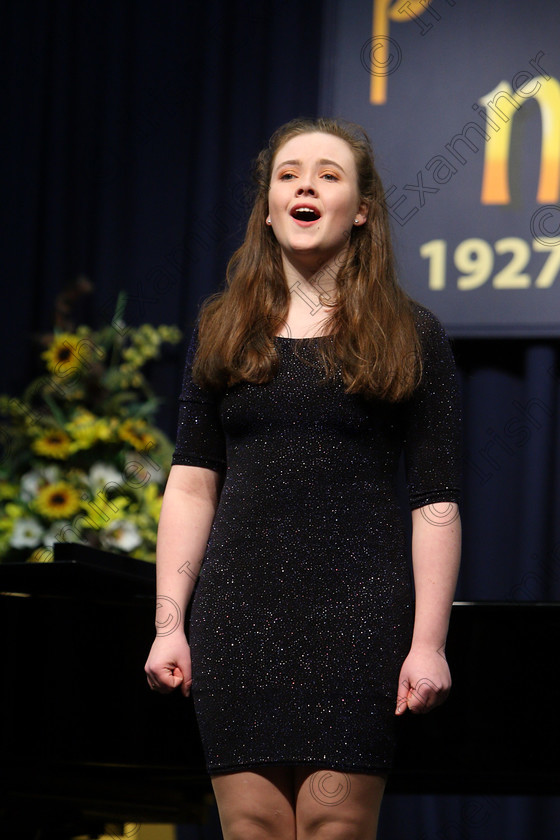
x,y
305,214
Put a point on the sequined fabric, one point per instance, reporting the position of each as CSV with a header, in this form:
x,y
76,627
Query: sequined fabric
x,y
302,614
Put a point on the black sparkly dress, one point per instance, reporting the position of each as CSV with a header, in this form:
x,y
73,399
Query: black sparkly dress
x,y
302,614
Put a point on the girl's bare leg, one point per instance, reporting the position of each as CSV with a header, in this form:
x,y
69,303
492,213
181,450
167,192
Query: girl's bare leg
x,y
256,805
298,803
337,806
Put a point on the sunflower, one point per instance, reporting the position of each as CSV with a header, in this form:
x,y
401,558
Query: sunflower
x,y
53,444
87,429
58,501
41,555
135,433
66,352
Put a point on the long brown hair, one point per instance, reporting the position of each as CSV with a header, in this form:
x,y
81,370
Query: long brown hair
x,y
374,339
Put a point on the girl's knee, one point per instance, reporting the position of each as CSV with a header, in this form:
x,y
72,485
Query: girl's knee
x,y
256,806
338,806
333,828
253,827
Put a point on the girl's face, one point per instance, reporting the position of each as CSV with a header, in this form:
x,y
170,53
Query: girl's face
x,y
313,199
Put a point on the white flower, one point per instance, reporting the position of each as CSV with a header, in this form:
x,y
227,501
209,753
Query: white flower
x,y
139,471
29,485
27,533
60,531
121,534
51,474
31,482
101,474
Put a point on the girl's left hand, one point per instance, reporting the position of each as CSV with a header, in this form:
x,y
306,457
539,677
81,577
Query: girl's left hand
x,y
424,681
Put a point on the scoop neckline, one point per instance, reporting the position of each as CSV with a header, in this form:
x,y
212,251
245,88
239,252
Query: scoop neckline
x,y
303,338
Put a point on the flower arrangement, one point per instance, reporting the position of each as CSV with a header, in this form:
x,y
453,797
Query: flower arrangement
x,y
82,460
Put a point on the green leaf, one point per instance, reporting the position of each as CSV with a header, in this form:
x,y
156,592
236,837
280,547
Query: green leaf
x,y
122,300
55,410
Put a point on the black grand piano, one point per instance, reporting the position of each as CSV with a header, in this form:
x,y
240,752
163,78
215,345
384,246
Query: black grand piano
x,y
85,743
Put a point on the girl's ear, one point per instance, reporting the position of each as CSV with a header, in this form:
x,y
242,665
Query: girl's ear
x,y
361,216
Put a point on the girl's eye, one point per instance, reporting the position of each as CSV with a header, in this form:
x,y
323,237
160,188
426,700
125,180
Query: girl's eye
x,y
330,176
287,176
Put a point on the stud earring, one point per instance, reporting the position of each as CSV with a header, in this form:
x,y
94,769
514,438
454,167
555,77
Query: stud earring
x,y
268,221
356,221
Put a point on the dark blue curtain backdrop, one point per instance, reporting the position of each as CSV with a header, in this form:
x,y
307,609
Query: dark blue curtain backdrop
x,y
126,152
129,131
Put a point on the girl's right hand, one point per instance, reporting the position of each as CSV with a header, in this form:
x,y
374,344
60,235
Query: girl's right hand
x,y
169,664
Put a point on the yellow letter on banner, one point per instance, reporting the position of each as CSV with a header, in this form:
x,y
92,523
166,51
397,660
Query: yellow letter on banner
x,y
503,103
383,12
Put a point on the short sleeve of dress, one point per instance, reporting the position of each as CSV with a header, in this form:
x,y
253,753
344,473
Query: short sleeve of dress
x,y
433,424
200,437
